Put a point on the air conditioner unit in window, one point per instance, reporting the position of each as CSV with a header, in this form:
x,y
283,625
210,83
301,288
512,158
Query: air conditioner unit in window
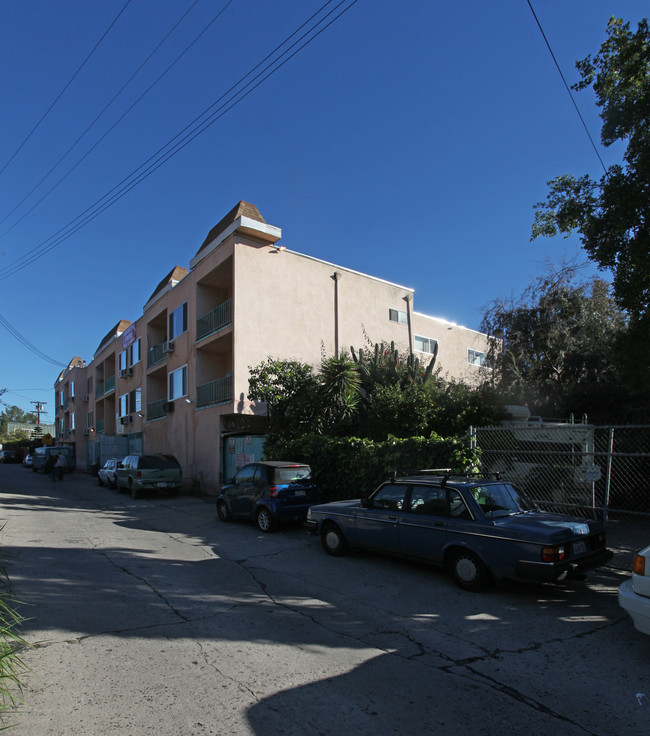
x,y
169,347
126,420
86,431
168,406
85,398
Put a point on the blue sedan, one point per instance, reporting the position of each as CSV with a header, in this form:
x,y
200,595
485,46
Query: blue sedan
x,y
480,529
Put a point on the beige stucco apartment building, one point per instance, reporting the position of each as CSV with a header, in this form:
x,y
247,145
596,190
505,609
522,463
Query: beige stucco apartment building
x,y
176,379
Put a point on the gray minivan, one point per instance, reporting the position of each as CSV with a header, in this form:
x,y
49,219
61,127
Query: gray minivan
x,y
41,455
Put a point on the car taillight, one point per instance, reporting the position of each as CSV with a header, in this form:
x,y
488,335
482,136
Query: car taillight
x,y
273,491
639,565
138,474
553,554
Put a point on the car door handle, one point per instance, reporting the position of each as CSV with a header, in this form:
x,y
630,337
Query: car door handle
x,y
392,518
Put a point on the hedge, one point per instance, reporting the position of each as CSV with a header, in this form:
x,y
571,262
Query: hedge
x,y
352,467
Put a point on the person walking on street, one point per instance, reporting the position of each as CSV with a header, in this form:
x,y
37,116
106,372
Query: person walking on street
x,y
48,467
59,467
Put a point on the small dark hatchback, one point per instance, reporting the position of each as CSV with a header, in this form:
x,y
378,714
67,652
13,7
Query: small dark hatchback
x,y
479,529
268,493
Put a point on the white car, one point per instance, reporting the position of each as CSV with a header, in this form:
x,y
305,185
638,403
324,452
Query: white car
x,y
634,594
108,474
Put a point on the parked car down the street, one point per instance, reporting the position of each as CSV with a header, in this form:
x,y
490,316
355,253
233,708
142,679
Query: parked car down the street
x,y
27,460
269,493
8,456
137,473
479,529
42,454
108,473
634,594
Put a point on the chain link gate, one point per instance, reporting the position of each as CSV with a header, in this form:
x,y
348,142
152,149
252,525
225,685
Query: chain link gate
x,y
573,467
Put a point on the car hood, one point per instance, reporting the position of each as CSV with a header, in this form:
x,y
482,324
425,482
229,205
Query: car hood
x,y
547,526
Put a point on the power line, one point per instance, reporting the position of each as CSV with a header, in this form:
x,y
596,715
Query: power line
x,y
24,341
119,120
198,126
72,78
568,89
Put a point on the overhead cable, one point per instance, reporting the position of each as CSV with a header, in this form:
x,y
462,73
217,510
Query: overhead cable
x,y
198,126
568,89
72,78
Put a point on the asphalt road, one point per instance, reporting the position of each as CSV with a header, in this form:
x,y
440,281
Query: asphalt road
x,y
150,616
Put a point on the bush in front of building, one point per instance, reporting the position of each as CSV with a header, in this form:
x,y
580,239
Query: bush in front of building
x,y
352,467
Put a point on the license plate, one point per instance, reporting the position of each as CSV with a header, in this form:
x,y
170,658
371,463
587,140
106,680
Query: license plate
x,y
162,485
579,548
299,494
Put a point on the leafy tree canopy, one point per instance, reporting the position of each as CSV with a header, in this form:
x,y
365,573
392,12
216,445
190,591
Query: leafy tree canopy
x,y
612,215
557,344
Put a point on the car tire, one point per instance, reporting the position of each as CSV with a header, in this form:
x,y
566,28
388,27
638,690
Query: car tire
x,y
265,521
334,541
468,571
222,511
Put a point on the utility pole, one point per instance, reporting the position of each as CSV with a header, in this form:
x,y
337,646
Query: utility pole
x,y
39,409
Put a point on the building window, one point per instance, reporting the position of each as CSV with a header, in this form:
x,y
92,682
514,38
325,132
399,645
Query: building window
x,y
178,383
89,385
135,352
123,405
425,344
475,357
72,420
121,361
394,315
90,419
72,389
178,321
135,400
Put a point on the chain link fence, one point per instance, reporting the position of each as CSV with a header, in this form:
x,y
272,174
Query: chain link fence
x,y
572,467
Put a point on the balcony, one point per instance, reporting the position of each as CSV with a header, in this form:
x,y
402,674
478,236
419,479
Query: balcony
x,y
214,392
157,354
217,319
99,429
156,409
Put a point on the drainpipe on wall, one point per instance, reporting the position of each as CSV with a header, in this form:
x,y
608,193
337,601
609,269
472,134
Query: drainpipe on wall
x,y
409,319
336,276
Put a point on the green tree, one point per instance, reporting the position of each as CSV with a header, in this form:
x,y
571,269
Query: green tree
x,y
291,393
557,349
612,215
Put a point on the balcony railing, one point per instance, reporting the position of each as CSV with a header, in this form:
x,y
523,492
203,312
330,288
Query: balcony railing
x,y
156,354
109,384
156,409
215,392
215,320
99,428
99,388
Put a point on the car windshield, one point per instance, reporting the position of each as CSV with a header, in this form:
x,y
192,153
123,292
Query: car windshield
x,y
500,499
287,475
156,462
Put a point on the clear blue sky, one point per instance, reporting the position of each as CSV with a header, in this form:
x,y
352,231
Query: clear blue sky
x,y
409,141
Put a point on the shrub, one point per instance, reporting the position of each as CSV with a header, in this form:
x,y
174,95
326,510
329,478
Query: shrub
x,y
352,467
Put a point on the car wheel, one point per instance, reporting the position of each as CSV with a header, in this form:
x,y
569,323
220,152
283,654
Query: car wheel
x,y
333,541
265,520
132,487
222,511
468,571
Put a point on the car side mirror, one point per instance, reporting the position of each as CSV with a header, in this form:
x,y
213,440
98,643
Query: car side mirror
x,y
367,503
